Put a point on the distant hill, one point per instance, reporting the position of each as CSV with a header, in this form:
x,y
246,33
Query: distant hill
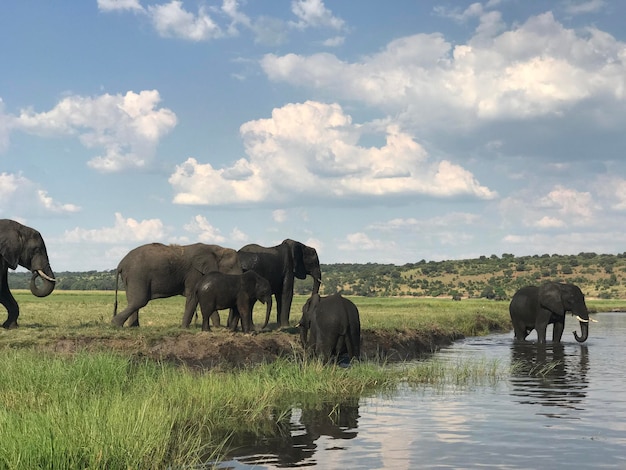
x,y
496,277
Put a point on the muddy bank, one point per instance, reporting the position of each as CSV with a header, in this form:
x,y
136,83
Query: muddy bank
x,y
222,348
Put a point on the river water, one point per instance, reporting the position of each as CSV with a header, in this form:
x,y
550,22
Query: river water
x,y
571,414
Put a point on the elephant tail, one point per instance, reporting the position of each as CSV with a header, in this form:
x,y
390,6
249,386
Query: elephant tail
x,y
117,278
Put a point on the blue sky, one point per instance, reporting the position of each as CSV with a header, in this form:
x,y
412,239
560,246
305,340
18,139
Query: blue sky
x,y
374,131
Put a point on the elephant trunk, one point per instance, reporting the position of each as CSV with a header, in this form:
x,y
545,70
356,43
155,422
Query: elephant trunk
x,y
268,302
49,282
584,328
317,280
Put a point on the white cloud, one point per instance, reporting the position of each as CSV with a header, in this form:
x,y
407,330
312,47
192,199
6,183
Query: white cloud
x,y
581,8
560,207
6,126
313,13
128,127
453,219
18,194
113,5
238,236
231,9
279,215
9,184
334,41
123,231
53,206
204,232
613,190
537,68
362,242
172,20
312,149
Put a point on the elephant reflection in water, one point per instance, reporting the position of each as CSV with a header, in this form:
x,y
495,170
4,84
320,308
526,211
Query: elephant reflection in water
x,y
292,440
546,375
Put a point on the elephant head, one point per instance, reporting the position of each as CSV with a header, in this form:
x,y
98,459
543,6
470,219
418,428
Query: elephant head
x,y
308,310
24,246
560,298
305,261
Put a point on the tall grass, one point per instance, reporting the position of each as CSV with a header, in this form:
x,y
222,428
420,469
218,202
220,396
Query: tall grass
x,y
106,411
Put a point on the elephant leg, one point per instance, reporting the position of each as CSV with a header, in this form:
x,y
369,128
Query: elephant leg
x,y
557,331
279,307
133,320
541,332
207,308
206,314
215,319
132,310
325,345
521,330
235,320
245,314
191,303
7,299
287,298
13,309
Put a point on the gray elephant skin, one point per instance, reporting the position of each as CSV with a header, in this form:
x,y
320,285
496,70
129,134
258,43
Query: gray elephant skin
x,y
156,271
331,326
23,246
280,265
535,307
237,292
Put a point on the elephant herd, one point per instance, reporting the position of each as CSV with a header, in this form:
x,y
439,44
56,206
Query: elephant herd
x,y
219,278
211,276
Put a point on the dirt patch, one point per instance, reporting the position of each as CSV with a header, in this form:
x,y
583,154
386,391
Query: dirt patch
x,y
220,347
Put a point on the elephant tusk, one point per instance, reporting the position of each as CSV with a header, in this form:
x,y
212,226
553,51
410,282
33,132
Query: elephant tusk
x,y
582,320
45,276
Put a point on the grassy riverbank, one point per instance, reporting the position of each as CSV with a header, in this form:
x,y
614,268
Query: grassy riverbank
x,y
77,393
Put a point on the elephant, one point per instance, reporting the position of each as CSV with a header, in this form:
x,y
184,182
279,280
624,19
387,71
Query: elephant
x,y
23,246
535,307
334,326
156,271
280,265
238,292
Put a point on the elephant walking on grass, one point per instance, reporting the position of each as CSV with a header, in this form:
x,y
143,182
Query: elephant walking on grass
x,y
535,307
23,246
280,265
237,292
156,271
331,326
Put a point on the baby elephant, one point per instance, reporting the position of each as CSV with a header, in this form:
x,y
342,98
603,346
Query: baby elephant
x,y
238,292
331,326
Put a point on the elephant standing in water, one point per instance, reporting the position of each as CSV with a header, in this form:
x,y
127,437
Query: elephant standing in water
x,y
237,292
156,271
331,326
23,246
280,265
535,307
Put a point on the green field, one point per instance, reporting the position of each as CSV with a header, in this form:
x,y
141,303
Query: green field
x,y
118,409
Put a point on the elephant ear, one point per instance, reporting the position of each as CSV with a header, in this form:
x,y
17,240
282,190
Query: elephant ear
x,y
228,260
205,261
11,245
550,297
297,254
